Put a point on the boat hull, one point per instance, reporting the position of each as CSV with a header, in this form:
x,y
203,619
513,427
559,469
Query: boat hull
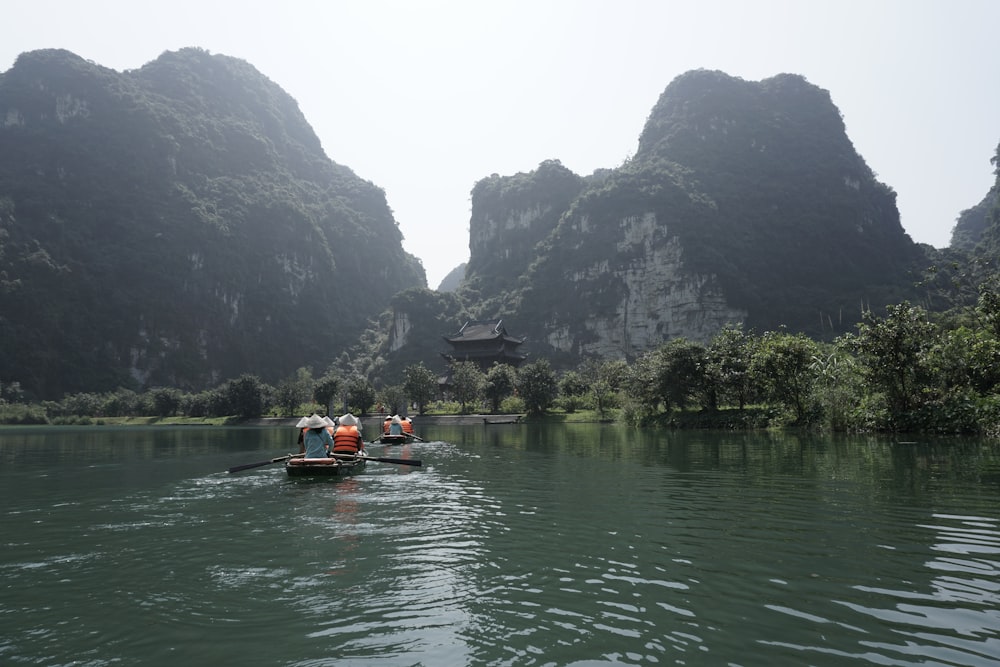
x,y
323,467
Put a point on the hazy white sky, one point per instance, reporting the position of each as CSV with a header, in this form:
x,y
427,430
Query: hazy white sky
x,y
425,97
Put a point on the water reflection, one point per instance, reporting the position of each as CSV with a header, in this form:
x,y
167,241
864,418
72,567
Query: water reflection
x,y
955,618
526,545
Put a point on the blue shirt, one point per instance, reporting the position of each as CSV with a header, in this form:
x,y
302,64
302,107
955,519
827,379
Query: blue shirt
x,y
317,442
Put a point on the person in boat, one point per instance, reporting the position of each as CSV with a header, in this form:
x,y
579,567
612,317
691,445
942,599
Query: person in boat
x,y
316,439
387,424
395,425
301,428
407,424
347,438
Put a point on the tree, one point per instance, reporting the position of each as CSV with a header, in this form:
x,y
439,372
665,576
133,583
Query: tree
x,y
604,379
837,383
11,392
165,401
500,379
784,364
325,390
84,404
420,385
683,371
122,403
198,405
245,396
294,391
536,385
892,352
671,374
727,370
572,390
644,376
393,399
360,394
467,383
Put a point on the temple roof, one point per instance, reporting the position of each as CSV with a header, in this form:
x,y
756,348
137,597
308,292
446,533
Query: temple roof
x,y
483,331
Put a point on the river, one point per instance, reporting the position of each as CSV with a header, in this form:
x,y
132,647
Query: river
x,y
577,544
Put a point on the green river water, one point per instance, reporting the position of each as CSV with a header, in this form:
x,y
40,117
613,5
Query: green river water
x,y
578,544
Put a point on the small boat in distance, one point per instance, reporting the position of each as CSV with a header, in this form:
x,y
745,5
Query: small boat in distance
x,y
505,420
397,439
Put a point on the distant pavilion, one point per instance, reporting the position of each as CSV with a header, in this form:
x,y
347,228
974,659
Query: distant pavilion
x,y
484,343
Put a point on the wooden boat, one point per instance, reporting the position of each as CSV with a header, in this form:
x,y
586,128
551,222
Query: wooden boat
x,y
516,420
337,467
402,439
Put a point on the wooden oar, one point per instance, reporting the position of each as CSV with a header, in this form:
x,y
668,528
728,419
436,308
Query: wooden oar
x,y
380,459
416,437
248,466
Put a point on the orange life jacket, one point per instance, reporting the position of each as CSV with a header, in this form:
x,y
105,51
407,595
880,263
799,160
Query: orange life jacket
x,y
386,424
407,426
346,439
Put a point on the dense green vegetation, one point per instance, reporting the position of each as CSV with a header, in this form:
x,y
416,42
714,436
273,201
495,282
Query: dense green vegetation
x,y
904,371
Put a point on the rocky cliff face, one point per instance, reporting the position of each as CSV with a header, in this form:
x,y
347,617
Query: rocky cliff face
x,y
979,222
510,217
177,225
745,204
659,300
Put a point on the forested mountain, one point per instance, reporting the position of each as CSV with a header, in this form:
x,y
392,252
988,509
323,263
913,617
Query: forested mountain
x,y
979,224
177,225
454,278
745,203
180,224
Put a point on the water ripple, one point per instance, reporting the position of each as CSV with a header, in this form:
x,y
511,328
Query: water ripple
x,y
513,550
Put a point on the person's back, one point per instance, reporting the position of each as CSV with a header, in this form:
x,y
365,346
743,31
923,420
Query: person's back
x,y
347,437
396,426
317,440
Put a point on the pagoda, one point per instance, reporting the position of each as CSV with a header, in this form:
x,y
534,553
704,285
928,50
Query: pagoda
x,y
485,343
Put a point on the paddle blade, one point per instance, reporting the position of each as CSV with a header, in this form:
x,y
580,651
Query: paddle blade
x,y
248,466
402,462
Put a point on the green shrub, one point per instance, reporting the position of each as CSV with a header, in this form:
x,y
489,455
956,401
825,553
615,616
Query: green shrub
x,y
19,413
512,405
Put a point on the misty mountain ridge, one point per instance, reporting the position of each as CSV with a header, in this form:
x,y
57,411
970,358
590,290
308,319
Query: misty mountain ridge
x,y
745,203
180,224
177,225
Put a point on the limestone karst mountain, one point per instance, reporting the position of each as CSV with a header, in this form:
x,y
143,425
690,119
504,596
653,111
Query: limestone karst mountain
x,y
177,225
745,203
